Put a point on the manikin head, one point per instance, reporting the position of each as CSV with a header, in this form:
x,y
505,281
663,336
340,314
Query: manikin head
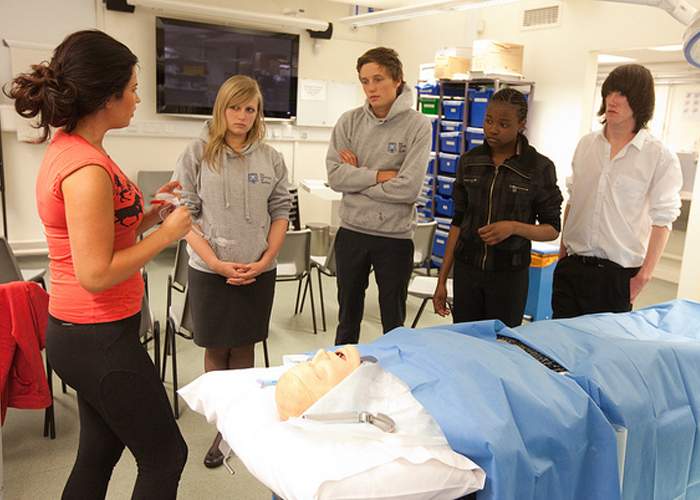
x,y
304,384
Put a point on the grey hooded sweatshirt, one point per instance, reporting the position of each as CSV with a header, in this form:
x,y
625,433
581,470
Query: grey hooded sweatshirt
x,y
235,205
400,141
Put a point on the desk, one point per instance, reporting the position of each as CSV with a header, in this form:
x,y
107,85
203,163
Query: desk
x,y
320,189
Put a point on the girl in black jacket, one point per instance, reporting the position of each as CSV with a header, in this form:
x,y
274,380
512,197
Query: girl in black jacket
x,y
505,196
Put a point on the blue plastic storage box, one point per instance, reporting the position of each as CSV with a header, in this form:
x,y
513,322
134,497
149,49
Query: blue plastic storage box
x,y
453,109
477,107
444,206
428,88
426,213
475,137
451,142
445,185
444,223
434,123
431,165
439,243
448,163
449,126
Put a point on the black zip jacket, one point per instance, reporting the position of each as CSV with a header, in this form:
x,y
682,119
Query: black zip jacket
x,y
523,189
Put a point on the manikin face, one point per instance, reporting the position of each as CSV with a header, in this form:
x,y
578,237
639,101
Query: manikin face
x,y
304,384
617,109
501,125
240,118
379,87
121,109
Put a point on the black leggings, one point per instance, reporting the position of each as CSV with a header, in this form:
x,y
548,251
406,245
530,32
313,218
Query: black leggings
x,y
121,403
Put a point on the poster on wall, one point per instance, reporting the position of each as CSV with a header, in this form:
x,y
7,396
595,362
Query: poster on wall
x,y
691,105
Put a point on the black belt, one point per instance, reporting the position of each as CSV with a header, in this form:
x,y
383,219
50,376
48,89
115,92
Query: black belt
x,y
595,261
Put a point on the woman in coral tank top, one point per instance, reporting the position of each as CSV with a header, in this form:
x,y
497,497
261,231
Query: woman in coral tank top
x,y
92,214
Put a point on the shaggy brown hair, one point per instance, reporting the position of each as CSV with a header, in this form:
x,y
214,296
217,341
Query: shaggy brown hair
x,y
635,83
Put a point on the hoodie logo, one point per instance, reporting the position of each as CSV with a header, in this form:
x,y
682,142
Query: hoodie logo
x,y
261,178
396,147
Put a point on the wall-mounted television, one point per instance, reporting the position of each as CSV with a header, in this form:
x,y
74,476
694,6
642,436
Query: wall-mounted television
x,y
194,59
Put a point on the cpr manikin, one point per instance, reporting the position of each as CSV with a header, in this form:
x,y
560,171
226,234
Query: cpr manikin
x,y
304,384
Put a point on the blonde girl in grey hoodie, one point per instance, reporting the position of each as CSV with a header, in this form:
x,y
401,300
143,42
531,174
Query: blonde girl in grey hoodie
x,y
377,158
237,189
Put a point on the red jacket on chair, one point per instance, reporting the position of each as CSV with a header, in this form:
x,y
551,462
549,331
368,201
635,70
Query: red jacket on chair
x,y
23,318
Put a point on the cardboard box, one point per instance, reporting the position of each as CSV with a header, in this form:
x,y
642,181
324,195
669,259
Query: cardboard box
x,y
446,66
497,57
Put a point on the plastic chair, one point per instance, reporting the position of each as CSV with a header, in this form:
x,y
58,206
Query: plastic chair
x,y
149,181
9,272
323,265
423,244
423,287
294,215
294,264
179,320
149,329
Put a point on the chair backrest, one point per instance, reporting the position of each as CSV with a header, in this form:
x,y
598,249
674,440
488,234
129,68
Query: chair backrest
x,y
423,242
146,327
330,257
149,181
294,258
180,267
9,269
294,215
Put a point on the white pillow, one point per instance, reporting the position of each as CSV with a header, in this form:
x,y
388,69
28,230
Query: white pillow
x,y
301,459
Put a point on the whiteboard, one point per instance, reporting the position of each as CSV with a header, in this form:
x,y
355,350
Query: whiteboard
x,y
321,102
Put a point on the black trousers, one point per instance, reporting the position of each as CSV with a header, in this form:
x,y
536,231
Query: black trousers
x,y
480,295
121,402
392,261
584,285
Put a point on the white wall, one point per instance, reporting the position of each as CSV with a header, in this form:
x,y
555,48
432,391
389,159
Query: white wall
x,y
304,148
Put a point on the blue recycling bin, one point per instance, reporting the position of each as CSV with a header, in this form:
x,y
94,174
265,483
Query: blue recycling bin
x,y
539,291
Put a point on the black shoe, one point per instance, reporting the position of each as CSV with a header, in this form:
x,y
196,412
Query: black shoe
x,y
214,458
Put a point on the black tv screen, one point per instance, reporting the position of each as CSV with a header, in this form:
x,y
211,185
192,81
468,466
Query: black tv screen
x,y
194,59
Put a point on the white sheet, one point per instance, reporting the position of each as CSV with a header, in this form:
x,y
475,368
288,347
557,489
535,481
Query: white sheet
x,y
302,459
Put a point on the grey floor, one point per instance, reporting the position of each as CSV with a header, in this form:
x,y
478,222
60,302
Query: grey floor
x,y
36,468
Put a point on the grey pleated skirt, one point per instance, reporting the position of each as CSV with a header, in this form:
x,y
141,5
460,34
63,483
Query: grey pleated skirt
x,y
227,315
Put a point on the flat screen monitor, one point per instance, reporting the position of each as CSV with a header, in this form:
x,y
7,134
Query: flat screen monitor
x,y
194,59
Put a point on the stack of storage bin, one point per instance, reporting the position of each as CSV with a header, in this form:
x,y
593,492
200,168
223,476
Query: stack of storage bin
x,y
457,110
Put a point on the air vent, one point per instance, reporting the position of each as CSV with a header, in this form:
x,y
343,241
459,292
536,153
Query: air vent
x,y
543,17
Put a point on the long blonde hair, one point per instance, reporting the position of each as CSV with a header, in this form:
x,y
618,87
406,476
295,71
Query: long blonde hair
x,y
237,90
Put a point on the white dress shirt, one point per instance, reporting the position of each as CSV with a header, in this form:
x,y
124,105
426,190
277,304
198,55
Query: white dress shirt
x,y
614,202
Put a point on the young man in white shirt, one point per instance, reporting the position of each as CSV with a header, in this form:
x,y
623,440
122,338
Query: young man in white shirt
x,y
624,194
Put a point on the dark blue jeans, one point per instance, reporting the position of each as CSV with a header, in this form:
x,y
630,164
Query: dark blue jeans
x,y
122,403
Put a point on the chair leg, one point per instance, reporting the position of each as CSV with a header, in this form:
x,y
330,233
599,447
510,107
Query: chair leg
x,y
166,349
323,308
418,314
311,296
176,402
296,306
156,345
303,297
49,416
267,357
